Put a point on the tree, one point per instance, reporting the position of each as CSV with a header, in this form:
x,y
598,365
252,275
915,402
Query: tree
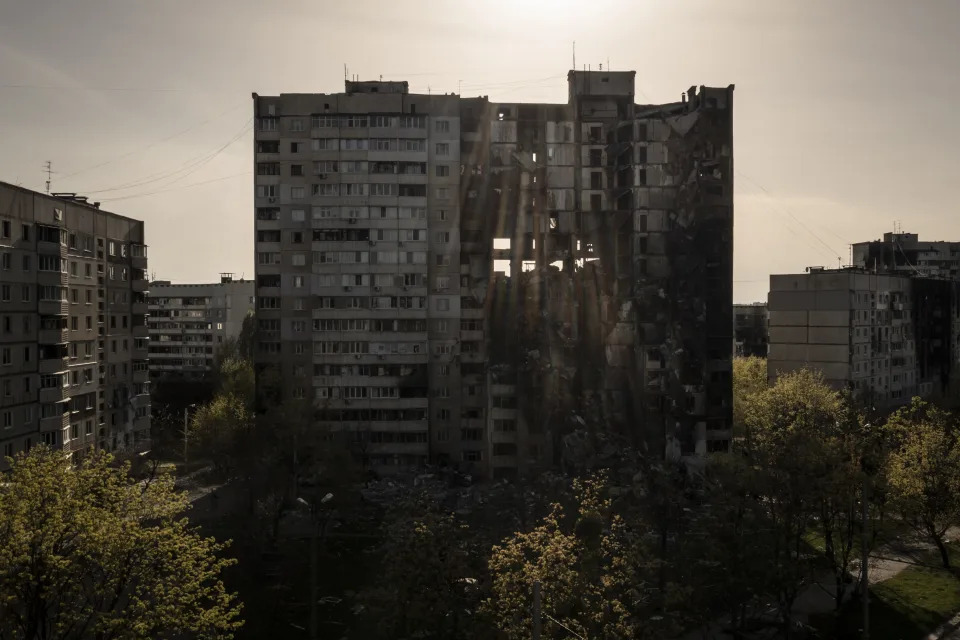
x,y
428,586
923,471
749,379
87,552
791,438
221,430
594,573
237,379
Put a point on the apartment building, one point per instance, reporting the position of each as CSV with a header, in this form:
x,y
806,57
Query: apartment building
x,y
73,333
464,282
750,329
886,337
188,324
905,253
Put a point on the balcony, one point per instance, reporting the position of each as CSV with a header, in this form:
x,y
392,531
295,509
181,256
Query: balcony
x,y
52,336
141,375
52,278
53,394
140,331
53,365
53,307
139,308
55,423
139,286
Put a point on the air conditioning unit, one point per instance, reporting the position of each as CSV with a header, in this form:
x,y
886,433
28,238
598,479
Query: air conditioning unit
x,y
271,199
373,243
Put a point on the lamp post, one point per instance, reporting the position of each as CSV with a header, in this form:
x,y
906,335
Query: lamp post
x,y
314,539
186,432
864,555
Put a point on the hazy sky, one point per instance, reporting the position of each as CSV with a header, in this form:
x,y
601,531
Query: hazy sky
x,y
844,111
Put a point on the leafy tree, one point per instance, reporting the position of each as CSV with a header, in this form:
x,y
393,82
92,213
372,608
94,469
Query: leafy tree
x,y
221,430
791,435
923,471
749,379
429,581
87,552
593,572
237,379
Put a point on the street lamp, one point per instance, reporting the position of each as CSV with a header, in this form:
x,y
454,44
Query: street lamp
x,y
186,431
315,535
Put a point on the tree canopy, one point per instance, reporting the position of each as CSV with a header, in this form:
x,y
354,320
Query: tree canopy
x,y
89,552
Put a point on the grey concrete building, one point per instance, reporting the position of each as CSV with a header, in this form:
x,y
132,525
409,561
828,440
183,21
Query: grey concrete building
x,y
886,337
750,329
464,282
188,323
73,334
906,253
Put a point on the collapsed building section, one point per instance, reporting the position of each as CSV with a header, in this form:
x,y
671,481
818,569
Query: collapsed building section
x,y
608,228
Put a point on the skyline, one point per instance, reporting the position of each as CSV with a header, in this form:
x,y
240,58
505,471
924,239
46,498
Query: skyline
x,y
831,102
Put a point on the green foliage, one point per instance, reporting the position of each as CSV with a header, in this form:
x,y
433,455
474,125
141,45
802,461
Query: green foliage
x,y
428,587
749,379
221,430
923,471
88,552
237,379
593,569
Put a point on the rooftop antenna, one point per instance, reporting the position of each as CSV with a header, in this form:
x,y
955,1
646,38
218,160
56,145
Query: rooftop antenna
x,y
574,55
381,77
608,64
458,86
48,168
345,75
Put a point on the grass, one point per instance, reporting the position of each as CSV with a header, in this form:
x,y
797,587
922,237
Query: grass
x,y
906,607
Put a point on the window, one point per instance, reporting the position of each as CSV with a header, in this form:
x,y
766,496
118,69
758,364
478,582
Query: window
x,y
353,144
442,215
383,189
25,233
5,293
296,170
268,147
442,170
6,356
324,121
298,259
298,282
268,168
441,126
25,293
297,193
295,147
443,304
443,192
5,229
443,148
296,124
5,260
326,189
266,191
298,215
413,122
381,121
324,144
26,263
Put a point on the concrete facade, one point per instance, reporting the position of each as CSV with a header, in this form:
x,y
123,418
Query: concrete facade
x,y
750,329
73,333
906,253
460,281
189,322
886,337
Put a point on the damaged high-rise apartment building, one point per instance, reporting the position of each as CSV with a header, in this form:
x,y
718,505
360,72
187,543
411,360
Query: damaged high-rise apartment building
x,y
464,282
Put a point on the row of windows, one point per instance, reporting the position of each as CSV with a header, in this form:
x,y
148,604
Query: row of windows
x,y
441,303
272,123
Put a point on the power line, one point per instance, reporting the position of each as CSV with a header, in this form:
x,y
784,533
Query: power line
x,y
183,186
188,168
154,144
789,213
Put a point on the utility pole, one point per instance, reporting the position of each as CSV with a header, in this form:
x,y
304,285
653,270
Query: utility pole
x,y
536,610
314,621
49,169
864,558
